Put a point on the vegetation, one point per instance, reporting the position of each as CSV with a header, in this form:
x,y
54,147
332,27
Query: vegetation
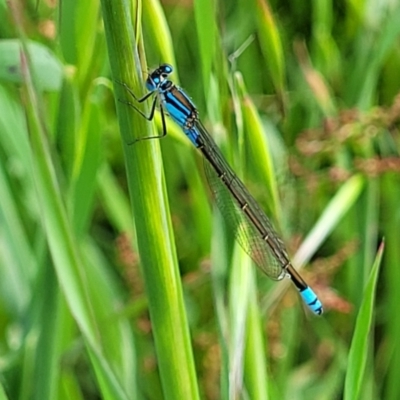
x,y
118,276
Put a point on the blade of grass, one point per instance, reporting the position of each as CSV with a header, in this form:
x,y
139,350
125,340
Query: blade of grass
x,y
359,344
367,75
86,164
15,276
240,276
344,199
219,273
115,201
64,251
319,88
51,335
3,395
151,212
271,45
60,239
256,374
158,36
259,148
390,352
204,10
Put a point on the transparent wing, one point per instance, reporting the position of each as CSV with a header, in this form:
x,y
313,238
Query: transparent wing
x,y
253,230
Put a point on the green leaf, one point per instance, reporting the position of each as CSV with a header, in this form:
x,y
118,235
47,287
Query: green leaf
x,y
47,70
359,344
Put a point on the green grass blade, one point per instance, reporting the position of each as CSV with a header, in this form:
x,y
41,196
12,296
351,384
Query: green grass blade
x,y
271,45
16,290
259,149
61,241
333,213
151,213
87,161
344,199
115,201
3,395
60,238
240,277
256,375
359,344
204,10
158,39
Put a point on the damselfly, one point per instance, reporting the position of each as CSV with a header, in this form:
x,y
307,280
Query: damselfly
x,y
252,227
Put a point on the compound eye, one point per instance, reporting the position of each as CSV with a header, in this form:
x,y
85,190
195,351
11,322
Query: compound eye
x,y
156,80
166,68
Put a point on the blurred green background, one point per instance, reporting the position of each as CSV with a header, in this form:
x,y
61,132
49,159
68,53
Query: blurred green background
x,y
118,277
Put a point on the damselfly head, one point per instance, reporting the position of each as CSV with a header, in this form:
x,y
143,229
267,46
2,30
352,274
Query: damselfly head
x,y
158,76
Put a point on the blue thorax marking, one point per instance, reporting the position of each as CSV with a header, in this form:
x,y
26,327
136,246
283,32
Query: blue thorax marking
x,y
174,101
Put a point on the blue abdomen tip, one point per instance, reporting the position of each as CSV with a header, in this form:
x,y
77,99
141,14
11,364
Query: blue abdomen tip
x,y
312,301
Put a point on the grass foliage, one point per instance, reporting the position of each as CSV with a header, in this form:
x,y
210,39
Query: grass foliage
x,y
118,277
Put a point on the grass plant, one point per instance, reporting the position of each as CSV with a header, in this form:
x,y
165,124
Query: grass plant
x,y
118,276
